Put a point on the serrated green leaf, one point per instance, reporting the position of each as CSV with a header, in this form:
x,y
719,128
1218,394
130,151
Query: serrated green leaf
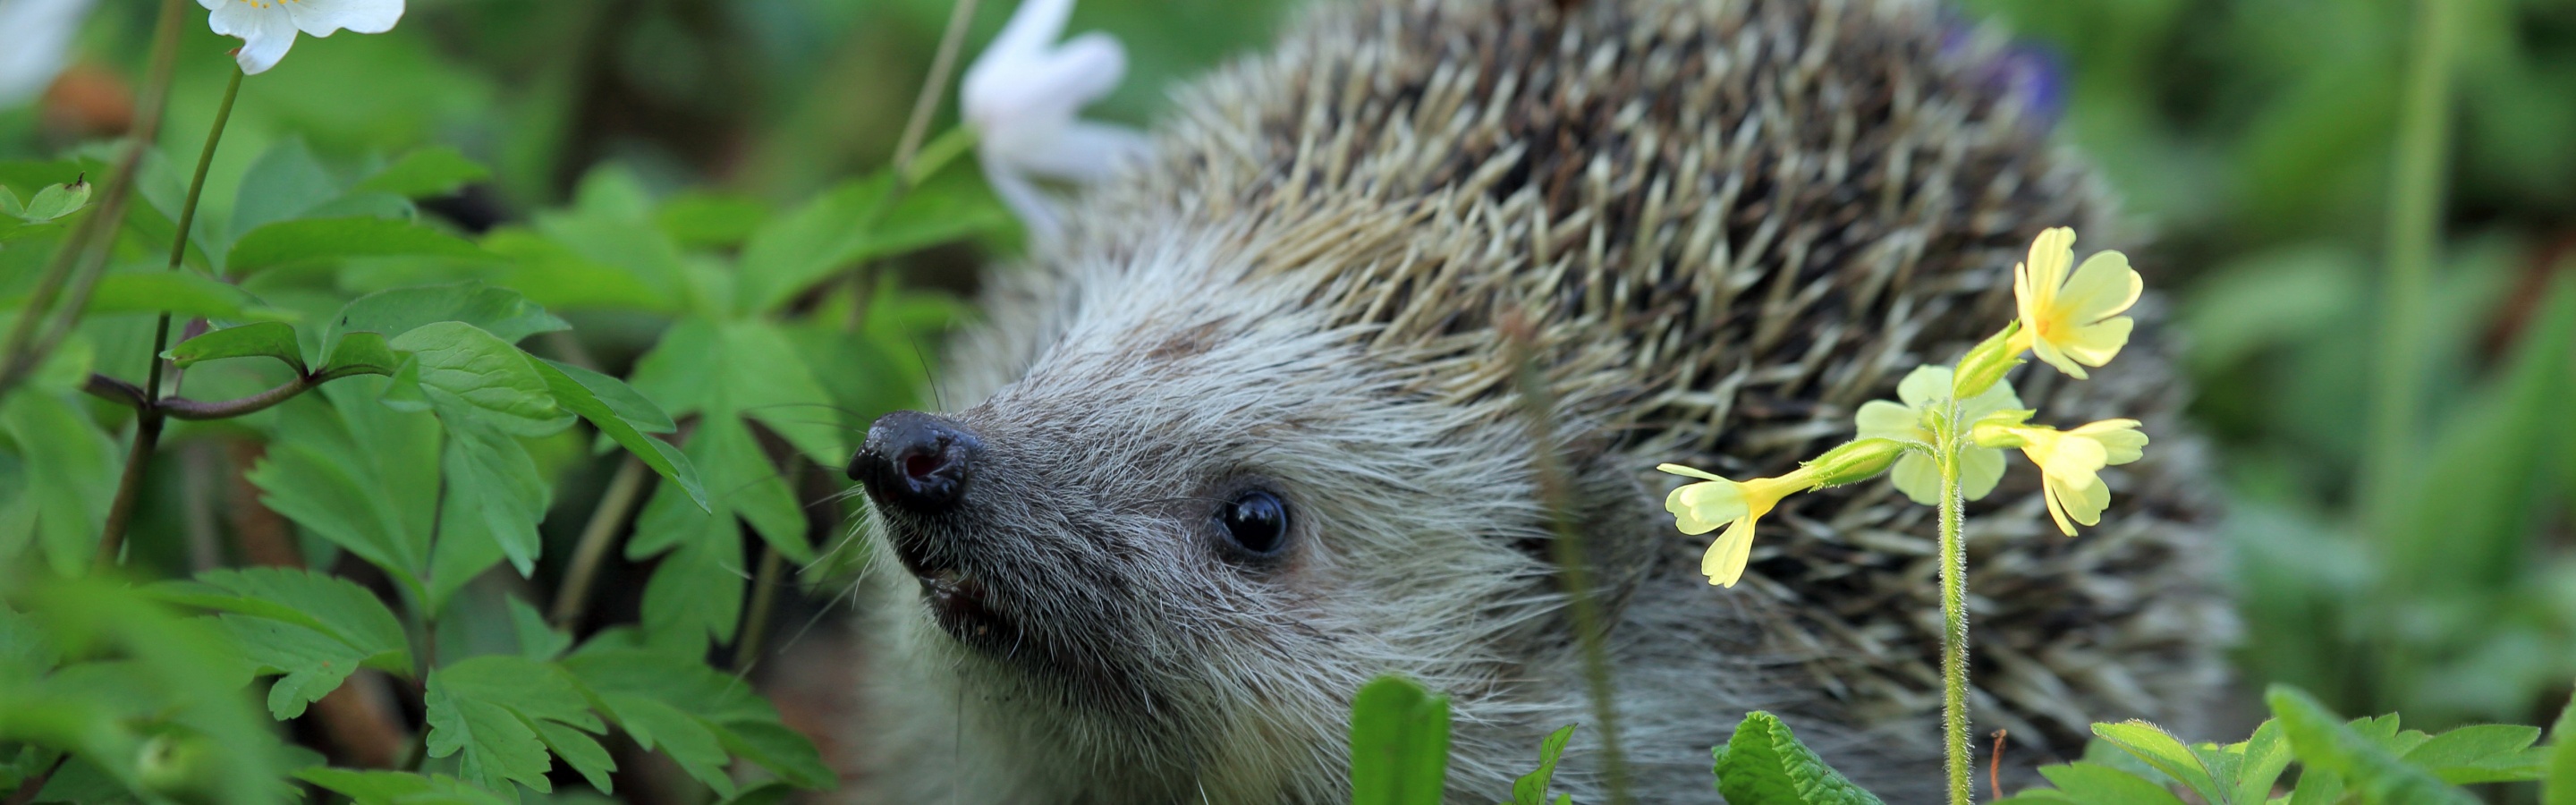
x,y
2095,784
474,376
434,171
704,220
464,550
2262,759
2323,742
487,707
696,592
744,723
2481,753
496,480
1399,743
2166,753
537,641
766,794
329,604
655,724
398,787
766,378
265,338
783,751
325,493
580,751
312,628
1531,788
846,225
624,415
26,652
1764,764
312,240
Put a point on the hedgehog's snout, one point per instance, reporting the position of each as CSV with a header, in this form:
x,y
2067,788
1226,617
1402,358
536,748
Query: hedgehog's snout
x,y
916,462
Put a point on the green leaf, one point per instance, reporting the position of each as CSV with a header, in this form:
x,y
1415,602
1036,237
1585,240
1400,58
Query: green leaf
x,y
623,415
319,239
766,378
849,224
72,468
2323,742
333,499
2096,784
499,311
655,724
2560,789
580,751
2166,753
488,707
473,375
724,705
2481,753
1531,788
55,201
185,293
1764,764
696,592
362,354
537,640
284,183
1399,744
267,338
315,629
399,787
496,481
2261,761
704,220
434,171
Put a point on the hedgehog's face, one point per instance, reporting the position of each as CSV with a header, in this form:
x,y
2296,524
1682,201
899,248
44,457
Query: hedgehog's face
x,y
1182,535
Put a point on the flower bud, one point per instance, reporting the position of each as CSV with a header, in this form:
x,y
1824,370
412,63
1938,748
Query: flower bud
x,y
1857,460
2000,429
1986,365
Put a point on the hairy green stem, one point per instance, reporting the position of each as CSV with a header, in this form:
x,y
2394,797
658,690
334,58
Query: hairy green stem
x,y
90,241
1574,567
149,419
1954,613
605,520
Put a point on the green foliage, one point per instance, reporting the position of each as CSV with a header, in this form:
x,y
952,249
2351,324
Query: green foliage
x,y
1531,788
2369,761
1399,744
1764,764
2560,788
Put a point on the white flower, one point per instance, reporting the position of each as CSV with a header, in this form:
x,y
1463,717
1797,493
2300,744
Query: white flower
x,y
35,36
1022,95
267,27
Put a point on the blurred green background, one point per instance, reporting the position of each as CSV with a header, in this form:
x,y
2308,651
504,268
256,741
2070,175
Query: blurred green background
x,y
2252,140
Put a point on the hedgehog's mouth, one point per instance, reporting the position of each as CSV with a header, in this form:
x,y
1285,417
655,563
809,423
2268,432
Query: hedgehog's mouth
x,y
958,602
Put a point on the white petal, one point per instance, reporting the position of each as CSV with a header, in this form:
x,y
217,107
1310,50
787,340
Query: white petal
x,y
322,17
39,36
1082,152
1033,25
1036,211
1043,88
266,30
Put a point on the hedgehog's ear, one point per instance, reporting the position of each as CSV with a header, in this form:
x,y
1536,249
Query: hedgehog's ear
x,y
1620,524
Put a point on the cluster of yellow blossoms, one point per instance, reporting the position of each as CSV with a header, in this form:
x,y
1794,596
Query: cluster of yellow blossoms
x,y
2069,317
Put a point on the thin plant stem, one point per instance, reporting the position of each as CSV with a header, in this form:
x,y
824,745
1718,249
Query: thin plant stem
x,y
148,420
89,242
764,597
606,520
951,41
2414,233
1572,559
1954,614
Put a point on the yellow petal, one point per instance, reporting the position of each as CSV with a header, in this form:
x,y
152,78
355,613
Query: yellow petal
x,y
2047,351
2061,455
2121,442
2081,499
1880,419
1924,384
2102,288
2097,344
1919,478
1677,469
1702,507
1724,562
2055,511
2050,255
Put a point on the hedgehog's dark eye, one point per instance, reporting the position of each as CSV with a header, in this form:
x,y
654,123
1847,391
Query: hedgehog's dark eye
x,y
1256,521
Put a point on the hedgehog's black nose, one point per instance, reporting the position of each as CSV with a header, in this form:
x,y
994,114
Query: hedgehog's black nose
x,y
916,461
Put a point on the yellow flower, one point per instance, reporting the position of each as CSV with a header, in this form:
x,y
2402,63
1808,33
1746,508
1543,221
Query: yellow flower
x,y
1917,474
2073,320
1702,507
2069,461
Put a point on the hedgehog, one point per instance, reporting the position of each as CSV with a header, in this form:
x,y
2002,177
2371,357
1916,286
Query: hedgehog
x,y
1246,434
